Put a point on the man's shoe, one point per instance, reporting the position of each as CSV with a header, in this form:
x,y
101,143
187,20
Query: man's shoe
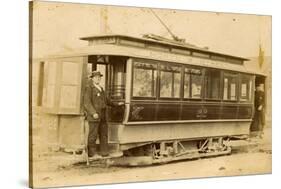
x,y
116,154
95,157
105,155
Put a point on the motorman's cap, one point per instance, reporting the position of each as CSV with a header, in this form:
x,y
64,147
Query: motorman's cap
x,y
95,73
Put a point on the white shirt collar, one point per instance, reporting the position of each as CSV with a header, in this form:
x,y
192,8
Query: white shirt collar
x,y
98,87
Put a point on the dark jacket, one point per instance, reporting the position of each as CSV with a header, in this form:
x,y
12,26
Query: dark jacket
x,y
95,101
259,99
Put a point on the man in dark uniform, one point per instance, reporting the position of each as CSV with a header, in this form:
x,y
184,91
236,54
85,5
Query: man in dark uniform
x,y
95,103
259,119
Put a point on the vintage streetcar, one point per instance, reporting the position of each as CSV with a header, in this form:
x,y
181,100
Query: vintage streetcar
x,y
181,101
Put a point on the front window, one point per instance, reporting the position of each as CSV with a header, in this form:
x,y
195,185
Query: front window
x,y
170,79
144,80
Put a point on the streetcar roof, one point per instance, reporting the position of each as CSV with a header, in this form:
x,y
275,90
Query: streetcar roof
x,y
134,52
162,43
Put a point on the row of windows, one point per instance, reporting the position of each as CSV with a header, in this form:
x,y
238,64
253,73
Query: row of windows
x,y
190,81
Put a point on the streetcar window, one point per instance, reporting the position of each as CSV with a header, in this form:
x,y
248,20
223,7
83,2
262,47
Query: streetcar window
x,y
246,88
144,80
170,79
196,86
230,87
192,83
186,87
212,84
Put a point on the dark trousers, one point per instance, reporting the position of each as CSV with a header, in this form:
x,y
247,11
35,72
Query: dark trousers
x,y
258,121
98,128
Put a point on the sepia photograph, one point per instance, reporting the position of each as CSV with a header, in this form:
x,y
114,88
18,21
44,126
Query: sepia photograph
x,y
123,94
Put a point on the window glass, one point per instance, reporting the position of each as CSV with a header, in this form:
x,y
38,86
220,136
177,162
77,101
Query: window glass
x,y
230,86
246,88
212,83
192,83
170,79
117,83
144,80
186,87
196,86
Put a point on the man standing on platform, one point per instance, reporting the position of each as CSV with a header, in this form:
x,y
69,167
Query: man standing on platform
x,y
95,103
259,117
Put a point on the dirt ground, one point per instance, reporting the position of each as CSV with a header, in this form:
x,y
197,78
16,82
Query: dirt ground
x,y
248,157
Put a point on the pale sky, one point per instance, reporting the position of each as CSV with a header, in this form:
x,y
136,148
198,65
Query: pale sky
x,y
58,26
